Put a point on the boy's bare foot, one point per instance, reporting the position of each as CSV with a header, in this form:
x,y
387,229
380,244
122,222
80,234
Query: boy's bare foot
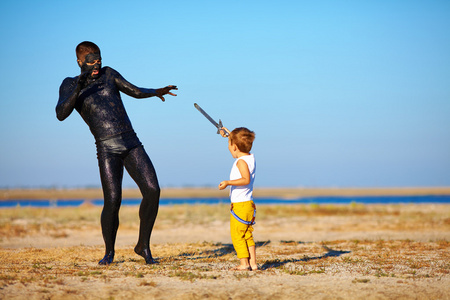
x,y
241,268
107,259
254,268
146,254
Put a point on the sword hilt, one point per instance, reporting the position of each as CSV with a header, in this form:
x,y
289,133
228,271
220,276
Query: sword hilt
x,y
219,129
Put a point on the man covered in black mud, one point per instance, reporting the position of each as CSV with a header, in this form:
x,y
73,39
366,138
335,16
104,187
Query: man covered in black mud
x,y
95,94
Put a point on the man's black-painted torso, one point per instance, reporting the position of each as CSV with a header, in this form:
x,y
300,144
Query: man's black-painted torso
x,y
99,102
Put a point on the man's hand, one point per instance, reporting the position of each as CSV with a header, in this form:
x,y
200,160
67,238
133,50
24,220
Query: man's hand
x,y
165,91
82,79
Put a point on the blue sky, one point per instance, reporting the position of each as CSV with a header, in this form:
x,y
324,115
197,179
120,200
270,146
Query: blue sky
x,y
339,93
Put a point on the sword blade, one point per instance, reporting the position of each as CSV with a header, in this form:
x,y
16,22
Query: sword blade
x,y
207,116
218,125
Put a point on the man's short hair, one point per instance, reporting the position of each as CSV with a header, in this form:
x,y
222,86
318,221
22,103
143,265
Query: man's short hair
x,y
243,138
85,48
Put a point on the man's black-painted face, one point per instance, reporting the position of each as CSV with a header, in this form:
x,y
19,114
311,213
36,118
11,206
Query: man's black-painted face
x,y
92,64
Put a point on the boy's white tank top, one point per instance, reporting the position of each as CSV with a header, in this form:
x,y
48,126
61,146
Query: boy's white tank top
x,y
245,192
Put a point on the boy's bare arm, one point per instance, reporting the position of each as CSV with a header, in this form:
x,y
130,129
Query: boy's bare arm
x,y
244,180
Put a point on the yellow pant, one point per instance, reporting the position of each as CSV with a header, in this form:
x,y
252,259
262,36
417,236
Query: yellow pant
x,y
241,234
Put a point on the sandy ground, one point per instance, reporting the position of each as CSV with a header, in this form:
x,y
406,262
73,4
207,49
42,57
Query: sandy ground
x,y
304,252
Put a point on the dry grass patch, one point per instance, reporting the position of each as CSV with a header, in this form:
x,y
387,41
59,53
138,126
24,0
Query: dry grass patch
x,y
61,223
199,261
290,264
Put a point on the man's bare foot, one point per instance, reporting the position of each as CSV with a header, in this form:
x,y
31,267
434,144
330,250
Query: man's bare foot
x,y
241,268
146,254
254,268
107,259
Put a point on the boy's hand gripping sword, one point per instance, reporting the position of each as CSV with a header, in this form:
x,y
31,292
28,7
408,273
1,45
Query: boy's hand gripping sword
x,y
218,125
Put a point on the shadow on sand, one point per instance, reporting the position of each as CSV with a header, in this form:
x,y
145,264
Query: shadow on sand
x,y
277,262
228,248
222,251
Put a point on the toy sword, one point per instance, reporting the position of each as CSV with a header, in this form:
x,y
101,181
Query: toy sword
x,y
218,125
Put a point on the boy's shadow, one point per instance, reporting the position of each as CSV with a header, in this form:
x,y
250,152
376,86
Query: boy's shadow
x,y
277,263
228,248
222,251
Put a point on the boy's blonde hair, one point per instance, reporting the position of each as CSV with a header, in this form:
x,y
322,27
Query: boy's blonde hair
x,y
243,138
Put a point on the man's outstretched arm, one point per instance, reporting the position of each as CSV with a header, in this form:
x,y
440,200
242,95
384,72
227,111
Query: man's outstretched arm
x,y
137,92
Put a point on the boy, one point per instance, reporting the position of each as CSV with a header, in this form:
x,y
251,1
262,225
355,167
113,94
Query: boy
x,y
243,209
95,94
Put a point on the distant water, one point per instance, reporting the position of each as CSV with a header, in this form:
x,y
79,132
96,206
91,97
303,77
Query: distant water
x,y
445,199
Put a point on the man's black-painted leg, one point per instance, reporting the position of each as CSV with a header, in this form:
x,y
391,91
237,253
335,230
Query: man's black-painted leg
x,y
146,254
107,259
141,169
